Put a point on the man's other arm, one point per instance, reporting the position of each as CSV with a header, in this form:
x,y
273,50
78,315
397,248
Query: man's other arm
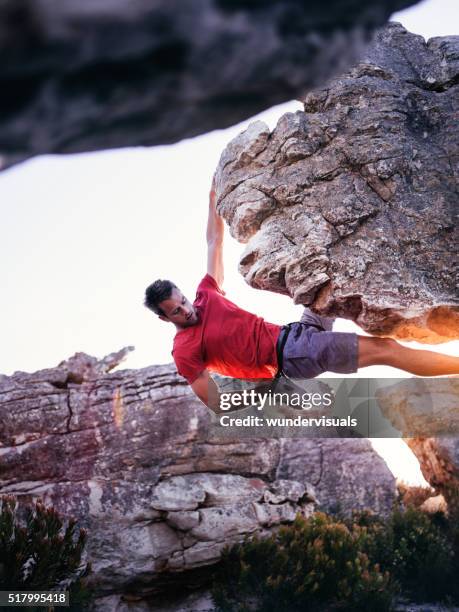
x,y
207,391
215,230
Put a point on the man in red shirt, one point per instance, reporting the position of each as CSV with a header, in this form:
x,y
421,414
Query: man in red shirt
x,y
213,334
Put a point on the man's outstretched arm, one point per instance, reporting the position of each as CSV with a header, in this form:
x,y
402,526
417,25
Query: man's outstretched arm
x,y
215,230
207,391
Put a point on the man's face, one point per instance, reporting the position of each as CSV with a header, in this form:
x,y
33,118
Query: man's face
x,y
179,310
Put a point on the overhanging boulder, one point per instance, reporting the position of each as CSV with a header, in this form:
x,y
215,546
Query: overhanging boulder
x,y
81,76
350,206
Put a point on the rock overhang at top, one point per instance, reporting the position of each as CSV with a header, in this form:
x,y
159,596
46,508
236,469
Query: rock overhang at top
x,y
82,76
351,206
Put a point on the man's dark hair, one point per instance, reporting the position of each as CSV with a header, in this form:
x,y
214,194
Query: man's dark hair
x,y
156,293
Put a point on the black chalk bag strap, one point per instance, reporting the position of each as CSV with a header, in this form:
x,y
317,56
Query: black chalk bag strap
x,y
280,348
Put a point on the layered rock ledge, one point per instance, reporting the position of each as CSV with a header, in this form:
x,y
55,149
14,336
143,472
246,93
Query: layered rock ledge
x,y
127,452
350,206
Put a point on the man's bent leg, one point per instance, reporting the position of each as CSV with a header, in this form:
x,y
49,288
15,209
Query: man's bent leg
x,y
311,318
385,351
309,352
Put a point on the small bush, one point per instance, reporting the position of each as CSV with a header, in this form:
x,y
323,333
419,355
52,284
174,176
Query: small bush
x,y
417,549
375,539
37,552
422,555
308,565
354,563
450,526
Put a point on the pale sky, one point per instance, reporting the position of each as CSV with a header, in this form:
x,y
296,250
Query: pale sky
x,y
83,235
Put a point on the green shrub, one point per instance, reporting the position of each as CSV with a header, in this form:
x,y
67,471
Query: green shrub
x,y
355,563
415,547
308,565
452,530
375,538
422,555
37,552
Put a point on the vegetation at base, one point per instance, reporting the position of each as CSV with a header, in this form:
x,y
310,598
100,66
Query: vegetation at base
x,y
304,566
38,552
330,563
415,548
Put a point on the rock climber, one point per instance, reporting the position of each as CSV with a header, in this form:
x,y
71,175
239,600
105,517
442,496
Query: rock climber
x,y
215,335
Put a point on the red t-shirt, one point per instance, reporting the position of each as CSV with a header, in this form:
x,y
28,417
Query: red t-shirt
x,y
226,339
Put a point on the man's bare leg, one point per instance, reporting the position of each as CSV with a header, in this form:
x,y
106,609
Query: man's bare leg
x,y
385,351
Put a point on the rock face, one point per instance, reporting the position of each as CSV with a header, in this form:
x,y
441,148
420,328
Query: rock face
x,y
349,207
337,469
425,411
439,459
422,407
128,453
81,76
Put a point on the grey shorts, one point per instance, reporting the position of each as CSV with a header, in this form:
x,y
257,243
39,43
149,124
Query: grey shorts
x,y
312,348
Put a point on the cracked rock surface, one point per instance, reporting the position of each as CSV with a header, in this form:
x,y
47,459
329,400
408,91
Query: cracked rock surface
x,y
351,206
128,453
81,76
425,412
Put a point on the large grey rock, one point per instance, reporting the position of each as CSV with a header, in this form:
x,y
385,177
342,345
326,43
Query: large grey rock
x,y
340,470
425,412
350,206
129,454
422,407
439,460
81,75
